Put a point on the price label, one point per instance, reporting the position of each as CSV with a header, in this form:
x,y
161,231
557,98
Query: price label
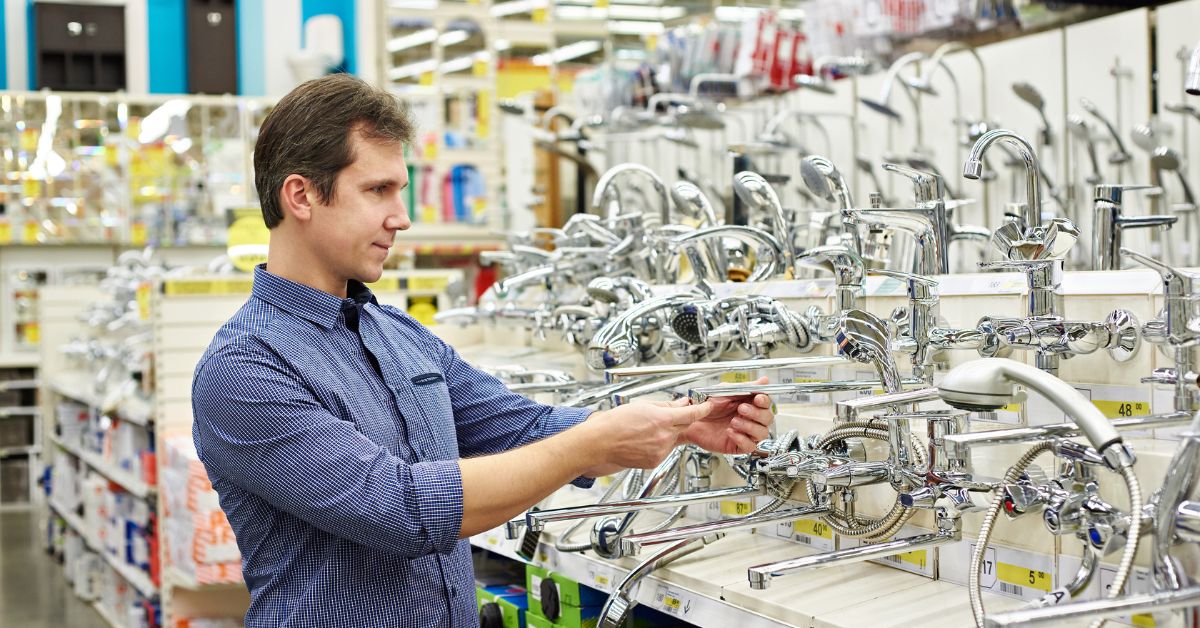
x,y
30,232
386,284
651,42
429,214
539,15
601,4
736,508
601,577
137,234
426,79
427,284
1118,409
143,301
32,333
737,377
671,601
479,68
813,528
1014,578
6,232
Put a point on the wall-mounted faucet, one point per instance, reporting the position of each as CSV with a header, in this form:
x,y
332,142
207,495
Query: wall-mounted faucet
x,y
1176,327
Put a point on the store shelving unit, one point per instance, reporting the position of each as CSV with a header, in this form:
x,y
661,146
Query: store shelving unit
x,y
185,313
20,436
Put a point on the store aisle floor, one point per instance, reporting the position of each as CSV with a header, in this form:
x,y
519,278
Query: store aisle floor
x,y
33,592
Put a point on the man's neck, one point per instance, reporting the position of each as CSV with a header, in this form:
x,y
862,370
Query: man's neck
x,y
295,264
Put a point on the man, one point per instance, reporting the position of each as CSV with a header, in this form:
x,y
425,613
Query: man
x,y
353,450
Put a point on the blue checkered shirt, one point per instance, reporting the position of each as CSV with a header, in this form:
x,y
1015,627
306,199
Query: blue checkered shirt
x,y
331,429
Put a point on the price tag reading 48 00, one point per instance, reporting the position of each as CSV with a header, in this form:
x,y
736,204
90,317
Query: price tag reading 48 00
x,y
1114,409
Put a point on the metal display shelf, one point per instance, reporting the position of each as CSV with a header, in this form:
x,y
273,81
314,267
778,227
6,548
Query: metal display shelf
x,y
19,451
77,385
19,411
654,591
18,384
122,478
135,576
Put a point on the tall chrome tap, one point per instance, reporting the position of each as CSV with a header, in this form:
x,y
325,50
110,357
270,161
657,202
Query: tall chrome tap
x,y
973,169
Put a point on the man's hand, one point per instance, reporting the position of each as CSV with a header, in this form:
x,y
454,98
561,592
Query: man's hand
x,y
640,434
731,425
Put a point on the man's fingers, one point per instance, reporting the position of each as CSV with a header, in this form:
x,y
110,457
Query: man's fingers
x,y
762,401
753,430
684,416
680,402
743,444
755,413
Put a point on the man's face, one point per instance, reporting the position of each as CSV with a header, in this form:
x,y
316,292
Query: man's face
x,y
354,232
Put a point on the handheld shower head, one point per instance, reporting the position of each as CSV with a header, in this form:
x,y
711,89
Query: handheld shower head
x,y
692,202
988,384
1192,84
863,337
824,180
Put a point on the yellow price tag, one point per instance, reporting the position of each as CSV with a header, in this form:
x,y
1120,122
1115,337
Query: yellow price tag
x,y
601,580
183,287
422,309
1143,621
1118,409
248,238
31,187
651,42
812,527
917,558
601,4
32,333
5,231
736,509
29,234
479,68
137,234
29,140
737,377
429,213
671,602
427,284
539,15
143,301
1023,577
427,79
430,150
1012,407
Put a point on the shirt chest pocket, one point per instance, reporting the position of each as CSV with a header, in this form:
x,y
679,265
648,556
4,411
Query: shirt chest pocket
x,y
437,440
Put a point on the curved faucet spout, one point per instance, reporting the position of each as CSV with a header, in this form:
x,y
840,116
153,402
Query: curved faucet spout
x,y
610,177
973,169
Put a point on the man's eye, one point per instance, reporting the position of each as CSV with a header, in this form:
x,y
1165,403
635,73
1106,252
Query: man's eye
x,y
379,189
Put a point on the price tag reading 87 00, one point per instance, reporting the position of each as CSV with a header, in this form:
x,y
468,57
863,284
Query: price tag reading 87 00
x,y
736,508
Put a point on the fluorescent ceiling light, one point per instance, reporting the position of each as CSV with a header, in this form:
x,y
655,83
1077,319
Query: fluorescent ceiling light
x,y
450,38
619,12
518,6
736,14
412,40
412,69
568,52
465,62
421,5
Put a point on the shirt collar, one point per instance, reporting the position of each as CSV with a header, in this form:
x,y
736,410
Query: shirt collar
x,y
316,306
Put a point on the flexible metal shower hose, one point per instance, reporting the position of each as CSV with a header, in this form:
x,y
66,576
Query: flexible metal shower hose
x,y
985,530
854,525
1131,545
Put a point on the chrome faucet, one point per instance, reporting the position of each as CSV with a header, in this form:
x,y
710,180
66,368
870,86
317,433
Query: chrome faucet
x,y
1192,84
1176,328
973,169
849,277
602,198
927,221
621,341
1108,224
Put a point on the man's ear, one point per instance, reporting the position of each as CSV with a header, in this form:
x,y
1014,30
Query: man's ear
x,y
295,199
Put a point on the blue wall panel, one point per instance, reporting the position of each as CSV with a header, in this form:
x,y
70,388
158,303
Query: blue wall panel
x,y
166,45
3,49
251,25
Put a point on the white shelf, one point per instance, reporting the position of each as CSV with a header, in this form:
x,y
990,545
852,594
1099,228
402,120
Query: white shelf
x,y
19,360
107,615
18,384
19,411
452,233
19,451
183,581
122,478
702,610
135,576
77,385
464,81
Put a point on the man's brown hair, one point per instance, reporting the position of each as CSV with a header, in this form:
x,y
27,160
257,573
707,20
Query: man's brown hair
x,y
309,133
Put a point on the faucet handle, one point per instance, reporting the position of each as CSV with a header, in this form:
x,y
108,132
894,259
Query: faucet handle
x,y
1176,283
927,187
1112,192
919,286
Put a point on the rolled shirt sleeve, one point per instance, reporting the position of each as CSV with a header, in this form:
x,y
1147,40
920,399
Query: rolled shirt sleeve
x,y
259,427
